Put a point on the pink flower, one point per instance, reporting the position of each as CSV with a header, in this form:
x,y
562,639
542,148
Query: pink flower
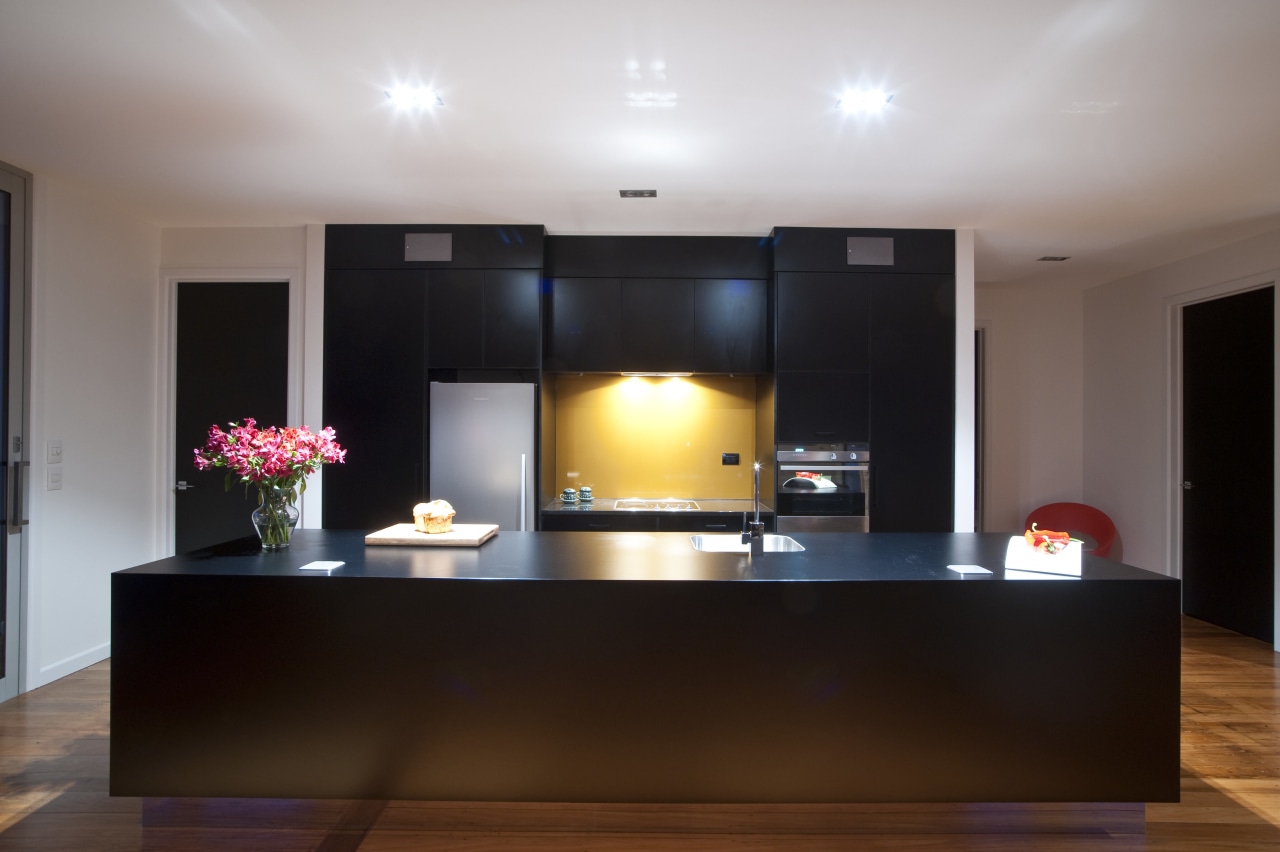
x,y
271,458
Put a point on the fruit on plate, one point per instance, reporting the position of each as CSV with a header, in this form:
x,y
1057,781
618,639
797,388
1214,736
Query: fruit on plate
x,y
1047,541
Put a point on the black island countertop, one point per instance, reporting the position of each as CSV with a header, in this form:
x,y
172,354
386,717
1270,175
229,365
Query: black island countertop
x,y
836,557
627,667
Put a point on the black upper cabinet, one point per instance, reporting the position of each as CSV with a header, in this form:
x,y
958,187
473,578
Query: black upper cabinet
x,y
822,321
512,318
373,395
827,250
658,257
731,332
657,324
483,319
472,246
455,318
585,325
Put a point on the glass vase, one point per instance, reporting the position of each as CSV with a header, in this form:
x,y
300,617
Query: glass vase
x,y
274,519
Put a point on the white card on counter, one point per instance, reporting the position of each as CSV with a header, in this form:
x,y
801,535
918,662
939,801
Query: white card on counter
x,y
320,566
968,569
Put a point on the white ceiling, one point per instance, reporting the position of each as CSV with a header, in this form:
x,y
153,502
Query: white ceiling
x,y
1124,133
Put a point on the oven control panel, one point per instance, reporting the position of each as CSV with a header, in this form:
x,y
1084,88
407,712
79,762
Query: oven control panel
x,y
832,454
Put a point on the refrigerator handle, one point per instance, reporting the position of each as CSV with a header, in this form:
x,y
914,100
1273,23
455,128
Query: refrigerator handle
x,y
523,496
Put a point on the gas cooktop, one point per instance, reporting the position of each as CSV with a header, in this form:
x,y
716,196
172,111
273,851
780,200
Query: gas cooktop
x,y
667,505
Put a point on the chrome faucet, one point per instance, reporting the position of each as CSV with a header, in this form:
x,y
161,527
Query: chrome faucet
x,y
753,531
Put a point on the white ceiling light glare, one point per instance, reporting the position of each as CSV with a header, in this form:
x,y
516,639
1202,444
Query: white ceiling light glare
x,y
863,101
652,100
414,98
656,71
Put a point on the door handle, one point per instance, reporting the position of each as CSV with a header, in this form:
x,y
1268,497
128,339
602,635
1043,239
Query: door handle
x,y
1187,486
183,486
17,521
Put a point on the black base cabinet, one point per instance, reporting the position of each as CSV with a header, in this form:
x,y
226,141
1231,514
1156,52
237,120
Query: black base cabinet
x,y
690,522
599,522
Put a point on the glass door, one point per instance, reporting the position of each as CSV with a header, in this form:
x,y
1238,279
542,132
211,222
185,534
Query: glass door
x,y
14,286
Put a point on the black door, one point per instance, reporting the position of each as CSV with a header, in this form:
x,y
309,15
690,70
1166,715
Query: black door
x,y
1228,422
232,363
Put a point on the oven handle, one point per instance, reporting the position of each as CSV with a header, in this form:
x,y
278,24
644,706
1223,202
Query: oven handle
x,y
821,467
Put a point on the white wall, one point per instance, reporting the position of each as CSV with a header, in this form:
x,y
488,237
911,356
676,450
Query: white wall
x,y
93,374
1126,406
233,248
1034,393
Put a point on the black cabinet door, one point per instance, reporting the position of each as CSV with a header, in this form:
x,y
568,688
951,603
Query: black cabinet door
x,y
586,325
821,406
373,395
602,522
455,318
512,319
730,334
912,402
483,318
657,324
822,321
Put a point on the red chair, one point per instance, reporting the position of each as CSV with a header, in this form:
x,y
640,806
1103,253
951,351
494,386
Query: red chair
x,y
1090,525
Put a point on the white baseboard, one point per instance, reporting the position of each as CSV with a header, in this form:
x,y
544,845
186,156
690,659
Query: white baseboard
x,y
48,674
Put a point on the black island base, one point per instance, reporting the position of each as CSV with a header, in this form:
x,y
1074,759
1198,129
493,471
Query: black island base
x,y
627,667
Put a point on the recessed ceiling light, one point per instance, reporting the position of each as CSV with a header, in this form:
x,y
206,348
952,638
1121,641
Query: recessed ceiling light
x,y
414,97
650,100
863,101
1053,258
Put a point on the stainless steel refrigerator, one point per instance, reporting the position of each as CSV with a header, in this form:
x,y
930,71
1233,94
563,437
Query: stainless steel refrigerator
x,y
482,452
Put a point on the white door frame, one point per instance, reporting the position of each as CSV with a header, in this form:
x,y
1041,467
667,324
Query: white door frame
x,y
167,402
18,184
1173,306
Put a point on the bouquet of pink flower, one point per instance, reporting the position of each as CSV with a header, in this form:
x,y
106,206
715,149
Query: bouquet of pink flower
x,y
277,461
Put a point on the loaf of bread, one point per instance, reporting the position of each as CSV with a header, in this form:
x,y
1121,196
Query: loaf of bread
x,y
433,517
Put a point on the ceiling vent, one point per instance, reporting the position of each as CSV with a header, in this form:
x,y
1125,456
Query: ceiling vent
x,y
1052,258
638,193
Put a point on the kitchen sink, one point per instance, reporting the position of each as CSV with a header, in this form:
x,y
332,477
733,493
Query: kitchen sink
x,y
734,544
670,504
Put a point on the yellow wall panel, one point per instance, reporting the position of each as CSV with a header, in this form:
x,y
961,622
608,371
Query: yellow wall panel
x,y
655,437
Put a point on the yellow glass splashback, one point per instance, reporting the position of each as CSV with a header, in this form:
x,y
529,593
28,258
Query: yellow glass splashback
x,y
655,437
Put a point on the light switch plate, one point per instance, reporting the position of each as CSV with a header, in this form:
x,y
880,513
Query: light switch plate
x,y
53,451
53,478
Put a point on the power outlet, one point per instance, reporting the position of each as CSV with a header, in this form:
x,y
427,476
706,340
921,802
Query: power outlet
x,y
53,482
728,458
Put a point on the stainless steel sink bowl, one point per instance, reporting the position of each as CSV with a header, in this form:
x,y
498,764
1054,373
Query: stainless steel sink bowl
x,y
734,544
668,505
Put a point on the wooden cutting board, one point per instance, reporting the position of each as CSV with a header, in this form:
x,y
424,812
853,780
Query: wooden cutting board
x,y
462,535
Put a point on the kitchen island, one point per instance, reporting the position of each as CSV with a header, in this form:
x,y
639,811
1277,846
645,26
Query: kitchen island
x,y
627,667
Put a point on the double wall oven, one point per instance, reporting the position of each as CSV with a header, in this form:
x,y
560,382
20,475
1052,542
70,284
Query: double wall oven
x,y
824,487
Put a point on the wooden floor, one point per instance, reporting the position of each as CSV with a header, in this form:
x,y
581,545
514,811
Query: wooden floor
x,y
54,745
